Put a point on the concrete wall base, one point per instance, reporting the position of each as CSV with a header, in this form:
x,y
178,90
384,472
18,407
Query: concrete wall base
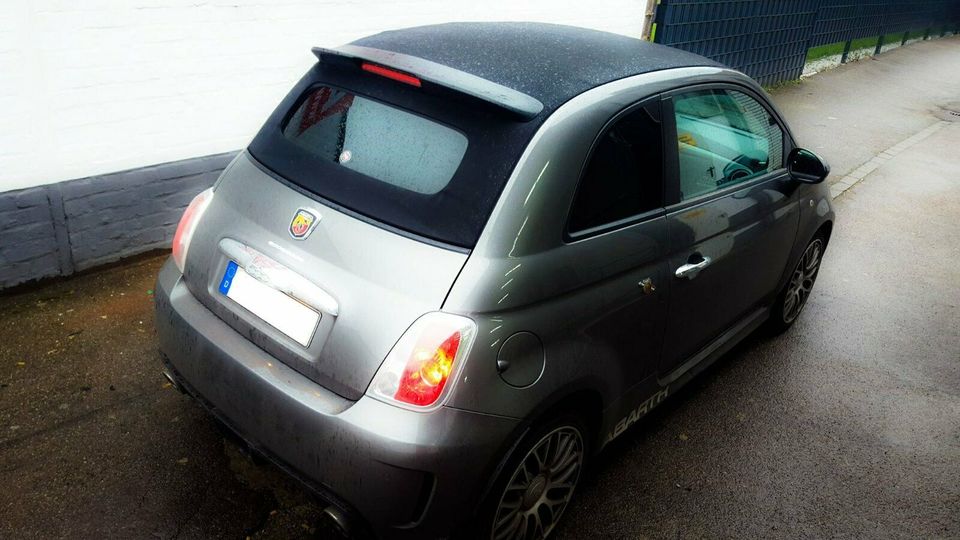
x,y
62,228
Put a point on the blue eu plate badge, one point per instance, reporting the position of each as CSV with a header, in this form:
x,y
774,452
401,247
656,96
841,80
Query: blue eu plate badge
x,y
228,277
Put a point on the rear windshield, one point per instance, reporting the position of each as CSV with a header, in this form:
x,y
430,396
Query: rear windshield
x,y
418,161
377,140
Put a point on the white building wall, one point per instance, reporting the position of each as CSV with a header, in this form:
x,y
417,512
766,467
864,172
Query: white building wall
x,y
95,86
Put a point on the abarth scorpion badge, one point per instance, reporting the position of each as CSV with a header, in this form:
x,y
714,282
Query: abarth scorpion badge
x,y
303,223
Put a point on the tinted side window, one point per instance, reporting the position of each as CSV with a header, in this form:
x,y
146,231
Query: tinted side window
x,y
624,175
724,137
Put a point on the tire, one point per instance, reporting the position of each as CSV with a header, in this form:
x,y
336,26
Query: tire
x,y
794,295
537,483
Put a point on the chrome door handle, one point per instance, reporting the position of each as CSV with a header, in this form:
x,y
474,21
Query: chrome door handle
x,y
690,271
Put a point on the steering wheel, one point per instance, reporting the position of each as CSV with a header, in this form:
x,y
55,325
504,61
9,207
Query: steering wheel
x,y
733,172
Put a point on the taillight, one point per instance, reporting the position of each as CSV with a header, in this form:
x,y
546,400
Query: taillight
x,y
188,224
423,365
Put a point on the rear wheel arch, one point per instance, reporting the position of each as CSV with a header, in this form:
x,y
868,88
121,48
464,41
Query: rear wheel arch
x,y
585,403
582,406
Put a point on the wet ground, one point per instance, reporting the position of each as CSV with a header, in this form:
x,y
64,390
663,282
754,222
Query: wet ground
x,y
847,426
95,442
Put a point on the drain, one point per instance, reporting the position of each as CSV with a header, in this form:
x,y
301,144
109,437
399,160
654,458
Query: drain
x,y
949,112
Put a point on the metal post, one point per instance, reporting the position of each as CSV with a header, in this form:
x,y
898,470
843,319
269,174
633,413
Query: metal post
x,y
846,51
906,35
879,46
649,12
926,34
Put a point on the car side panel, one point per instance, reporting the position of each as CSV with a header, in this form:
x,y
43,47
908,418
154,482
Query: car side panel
x,y
523,276
523,242
748,235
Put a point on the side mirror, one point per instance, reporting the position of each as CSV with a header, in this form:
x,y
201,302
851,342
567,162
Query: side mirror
x,y
805,166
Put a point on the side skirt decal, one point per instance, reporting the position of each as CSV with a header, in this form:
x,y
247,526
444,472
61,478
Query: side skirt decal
x,y
638,413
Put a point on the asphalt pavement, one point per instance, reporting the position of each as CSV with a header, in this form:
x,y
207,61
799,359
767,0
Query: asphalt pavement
x,y
846,426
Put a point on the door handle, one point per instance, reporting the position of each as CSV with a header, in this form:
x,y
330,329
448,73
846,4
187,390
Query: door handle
x,y
690,270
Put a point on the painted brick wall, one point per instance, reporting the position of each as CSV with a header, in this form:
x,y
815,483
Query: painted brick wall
x,y
28,241
96,86
64,227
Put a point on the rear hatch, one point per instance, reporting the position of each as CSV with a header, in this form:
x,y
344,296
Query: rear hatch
x,y
360,198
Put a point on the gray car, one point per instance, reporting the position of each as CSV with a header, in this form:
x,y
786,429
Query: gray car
x,y
458,260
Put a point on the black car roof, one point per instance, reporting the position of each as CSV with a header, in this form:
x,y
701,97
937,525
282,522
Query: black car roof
x,y
547,64
550,62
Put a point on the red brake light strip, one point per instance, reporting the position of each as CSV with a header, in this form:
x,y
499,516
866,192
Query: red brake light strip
x,y
398,76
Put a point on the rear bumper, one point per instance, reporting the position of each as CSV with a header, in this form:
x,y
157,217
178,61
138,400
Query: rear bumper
x,y
404,473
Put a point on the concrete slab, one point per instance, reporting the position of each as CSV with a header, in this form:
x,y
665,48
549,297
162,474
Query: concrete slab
x,y
852,113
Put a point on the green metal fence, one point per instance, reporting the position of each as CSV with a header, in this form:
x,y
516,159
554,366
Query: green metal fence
x,y
770,39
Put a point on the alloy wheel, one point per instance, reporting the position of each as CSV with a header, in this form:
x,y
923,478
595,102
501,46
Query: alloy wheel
x,y
801,282
540,487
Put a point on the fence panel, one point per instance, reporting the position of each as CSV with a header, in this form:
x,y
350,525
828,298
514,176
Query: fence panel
x,y
769,39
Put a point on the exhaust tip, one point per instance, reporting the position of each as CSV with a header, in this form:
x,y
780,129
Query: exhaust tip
x,y
173,381
338,518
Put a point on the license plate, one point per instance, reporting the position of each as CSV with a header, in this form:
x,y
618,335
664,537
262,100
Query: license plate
x,y
276,308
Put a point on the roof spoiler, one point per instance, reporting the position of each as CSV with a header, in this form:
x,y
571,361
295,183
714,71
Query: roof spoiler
x,y
517,103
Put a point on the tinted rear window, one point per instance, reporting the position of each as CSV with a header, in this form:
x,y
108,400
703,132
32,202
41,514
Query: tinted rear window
x,y
418,161
377,140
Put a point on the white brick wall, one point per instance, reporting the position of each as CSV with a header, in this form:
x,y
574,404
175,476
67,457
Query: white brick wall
x,y
96,86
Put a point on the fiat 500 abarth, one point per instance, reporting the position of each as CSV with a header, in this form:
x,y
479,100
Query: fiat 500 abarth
x,y
458,260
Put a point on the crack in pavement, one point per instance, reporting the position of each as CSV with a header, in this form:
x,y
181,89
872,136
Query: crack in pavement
x,y
80,418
